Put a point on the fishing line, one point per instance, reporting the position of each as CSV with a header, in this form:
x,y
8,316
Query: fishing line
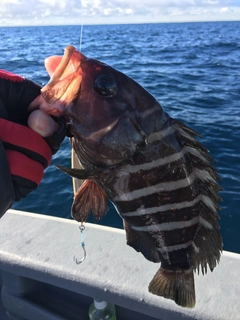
x,y
82,240
75,163
80,47
81,23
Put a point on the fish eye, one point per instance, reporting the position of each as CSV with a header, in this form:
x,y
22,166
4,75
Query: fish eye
x,y
106,85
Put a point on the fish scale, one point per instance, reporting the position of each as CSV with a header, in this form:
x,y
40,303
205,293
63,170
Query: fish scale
x,y
153,223
152,168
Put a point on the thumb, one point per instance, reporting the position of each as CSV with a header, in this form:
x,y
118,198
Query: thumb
x,y
42,123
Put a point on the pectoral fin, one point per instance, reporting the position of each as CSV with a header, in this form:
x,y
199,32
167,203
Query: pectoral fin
x,y
89,197
81,174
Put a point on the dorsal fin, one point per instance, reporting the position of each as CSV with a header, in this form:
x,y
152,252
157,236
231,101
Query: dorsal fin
x,y
89,197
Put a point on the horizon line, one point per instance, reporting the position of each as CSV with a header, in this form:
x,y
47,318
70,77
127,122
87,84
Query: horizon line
x,y
119,23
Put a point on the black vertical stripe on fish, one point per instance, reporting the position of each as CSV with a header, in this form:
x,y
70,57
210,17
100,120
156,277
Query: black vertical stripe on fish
x,y
151,167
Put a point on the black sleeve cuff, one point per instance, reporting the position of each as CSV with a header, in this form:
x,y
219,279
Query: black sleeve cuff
x,y
30,91
15,97
6,188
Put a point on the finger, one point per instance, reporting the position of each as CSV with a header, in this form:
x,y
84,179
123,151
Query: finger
x,y
42,123
37,103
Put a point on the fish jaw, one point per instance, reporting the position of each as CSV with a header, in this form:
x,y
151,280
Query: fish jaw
x,y
65,82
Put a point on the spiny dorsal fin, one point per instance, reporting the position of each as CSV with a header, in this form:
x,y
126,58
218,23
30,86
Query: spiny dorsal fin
x,y
89,197
177,285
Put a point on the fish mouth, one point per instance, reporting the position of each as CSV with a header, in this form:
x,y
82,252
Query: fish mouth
x,y
65,82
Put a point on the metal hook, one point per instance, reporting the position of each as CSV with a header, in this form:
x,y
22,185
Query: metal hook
x,y
81,228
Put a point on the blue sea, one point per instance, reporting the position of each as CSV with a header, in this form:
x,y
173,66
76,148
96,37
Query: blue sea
x,y
193,69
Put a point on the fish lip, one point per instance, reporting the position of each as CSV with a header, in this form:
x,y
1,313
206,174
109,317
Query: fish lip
x,y
62,89
58,74
69,50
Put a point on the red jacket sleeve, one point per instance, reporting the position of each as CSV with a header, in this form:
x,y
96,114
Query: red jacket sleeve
x,y
16,93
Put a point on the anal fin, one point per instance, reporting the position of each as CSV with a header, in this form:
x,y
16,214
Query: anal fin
x,y
89,197
177,285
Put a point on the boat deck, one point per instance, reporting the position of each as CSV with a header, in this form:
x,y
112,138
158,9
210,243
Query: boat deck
x,y
40,280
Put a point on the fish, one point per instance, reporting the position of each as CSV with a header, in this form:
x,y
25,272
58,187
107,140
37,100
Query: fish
x,y
152,167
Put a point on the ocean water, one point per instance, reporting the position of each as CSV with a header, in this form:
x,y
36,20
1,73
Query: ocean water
x,y
193,69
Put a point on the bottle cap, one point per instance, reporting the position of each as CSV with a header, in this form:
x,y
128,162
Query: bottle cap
x,y
100,304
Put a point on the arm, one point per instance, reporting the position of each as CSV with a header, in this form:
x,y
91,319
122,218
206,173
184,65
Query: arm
x,y
6,189
23,153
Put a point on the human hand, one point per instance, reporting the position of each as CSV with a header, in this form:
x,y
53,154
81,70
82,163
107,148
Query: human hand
x,y
25,151
52,129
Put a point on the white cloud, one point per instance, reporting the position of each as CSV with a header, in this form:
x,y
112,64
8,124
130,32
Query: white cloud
x,y
225,9
20,12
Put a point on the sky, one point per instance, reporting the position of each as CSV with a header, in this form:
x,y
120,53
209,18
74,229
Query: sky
x,y
65,12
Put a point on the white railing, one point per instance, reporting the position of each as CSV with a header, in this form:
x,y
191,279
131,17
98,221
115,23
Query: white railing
x,y
40,280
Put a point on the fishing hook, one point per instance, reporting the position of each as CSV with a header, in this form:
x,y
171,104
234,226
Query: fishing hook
x,y
81,228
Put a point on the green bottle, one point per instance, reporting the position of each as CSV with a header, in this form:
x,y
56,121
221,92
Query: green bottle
x,y
101,310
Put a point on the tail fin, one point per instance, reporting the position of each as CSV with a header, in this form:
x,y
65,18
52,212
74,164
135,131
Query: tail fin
x,y
177,285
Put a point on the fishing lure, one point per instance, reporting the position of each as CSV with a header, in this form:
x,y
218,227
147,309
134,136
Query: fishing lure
x,y
82,241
